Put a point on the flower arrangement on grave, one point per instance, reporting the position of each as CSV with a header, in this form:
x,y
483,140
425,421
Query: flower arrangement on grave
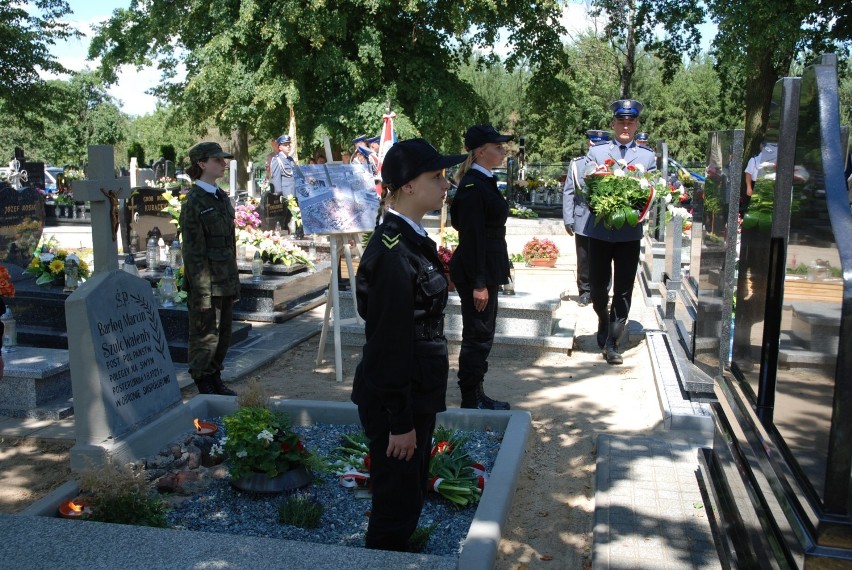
x,y
275,248
7,289
619,193
540,249
519,211
246,216
164,182
64,198
452,472
175,203
259,440
48,263
450,238
351,460
445,254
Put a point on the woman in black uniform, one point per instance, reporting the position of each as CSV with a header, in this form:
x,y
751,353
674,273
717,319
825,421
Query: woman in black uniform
x,y
481,261
401,382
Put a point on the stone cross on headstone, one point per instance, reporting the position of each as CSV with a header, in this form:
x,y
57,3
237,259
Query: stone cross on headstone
x,y
103,190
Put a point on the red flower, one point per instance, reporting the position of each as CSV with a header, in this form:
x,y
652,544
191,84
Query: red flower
x,y
609,162
367,461
441,447
631,168
683,197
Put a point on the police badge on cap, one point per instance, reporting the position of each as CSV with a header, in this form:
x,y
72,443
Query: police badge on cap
x,y
626,108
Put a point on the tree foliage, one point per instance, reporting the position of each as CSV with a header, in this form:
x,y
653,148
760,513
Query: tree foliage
x,y
26,37
247,62
631,24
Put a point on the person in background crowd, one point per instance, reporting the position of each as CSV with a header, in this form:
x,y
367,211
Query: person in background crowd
x,y
211,277
576,216
401,381
614,254
273,144
281,168
373,143
345,157
642,140
481,261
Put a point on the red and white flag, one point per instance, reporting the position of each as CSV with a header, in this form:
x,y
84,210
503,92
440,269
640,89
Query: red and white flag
x,y
387,138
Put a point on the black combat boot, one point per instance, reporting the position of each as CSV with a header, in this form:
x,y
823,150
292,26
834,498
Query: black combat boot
x,y
610,351
204,386
219,386
475,398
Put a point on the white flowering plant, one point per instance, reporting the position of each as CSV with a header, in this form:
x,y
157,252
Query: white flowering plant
x,y
261,441
619,193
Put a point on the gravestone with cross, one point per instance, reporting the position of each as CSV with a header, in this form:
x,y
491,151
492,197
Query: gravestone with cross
x,y
103,190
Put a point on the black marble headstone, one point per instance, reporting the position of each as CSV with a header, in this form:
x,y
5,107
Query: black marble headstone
x,y
273,209
713,250
35,174
21,223
813,394
144,212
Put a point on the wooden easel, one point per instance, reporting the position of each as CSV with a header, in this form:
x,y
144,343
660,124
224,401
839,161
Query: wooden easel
x,y
339,246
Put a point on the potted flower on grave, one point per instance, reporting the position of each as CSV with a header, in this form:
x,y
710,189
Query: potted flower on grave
x,y
619,193
540,252
263,454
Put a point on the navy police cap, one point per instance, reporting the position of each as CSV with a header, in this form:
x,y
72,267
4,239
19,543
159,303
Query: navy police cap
x,y
626,108
284,139
372,140
642,137
359,138
597,136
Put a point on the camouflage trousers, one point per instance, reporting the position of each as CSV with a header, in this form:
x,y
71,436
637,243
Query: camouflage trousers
x,y
210,337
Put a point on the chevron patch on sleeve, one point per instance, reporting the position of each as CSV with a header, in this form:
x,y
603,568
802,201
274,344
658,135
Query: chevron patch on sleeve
x,y
390,242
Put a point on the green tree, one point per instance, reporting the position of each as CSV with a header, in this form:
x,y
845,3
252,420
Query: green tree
x,y
27,32
631,24
757,43
249,62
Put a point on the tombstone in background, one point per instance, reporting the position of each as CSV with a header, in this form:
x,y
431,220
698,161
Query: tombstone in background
x,y
35,174
273,209
144,212
779,473
121,372
654,247
144,176
21,223
713,252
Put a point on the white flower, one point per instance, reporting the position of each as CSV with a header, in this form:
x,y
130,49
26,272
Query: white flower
x,y
265,434
46,257
216,450
667,198
644,184
618,173
640,167
621,162
242,453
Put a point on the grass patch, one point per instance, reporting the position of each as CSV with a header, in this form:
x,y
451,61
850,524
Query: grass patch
x,y
300,510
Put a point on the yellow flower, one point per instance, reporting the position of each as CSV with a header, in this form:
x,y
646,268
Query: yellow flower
x,y
61,253
57,266
35,263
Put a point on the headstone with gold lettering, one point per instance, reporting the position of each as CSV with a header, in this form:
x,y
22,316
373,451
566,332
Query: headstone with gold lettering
x,y
21,223
144,212
122,375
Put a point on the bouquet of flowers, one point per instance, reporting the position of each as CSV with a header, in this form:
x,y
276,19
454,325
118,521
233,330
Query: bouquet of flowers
x,y
173,208
450,237
619,193
445,254
540,249
6,287
351,463
49,260
452,473
246,216
164,182
260,441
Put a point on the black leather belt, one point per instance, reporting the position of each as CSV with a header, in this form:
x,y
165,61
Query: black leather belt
x,y
429,329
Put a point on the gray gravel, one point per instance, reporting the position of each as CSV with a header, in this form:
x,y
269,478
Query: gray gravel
x,y
221,508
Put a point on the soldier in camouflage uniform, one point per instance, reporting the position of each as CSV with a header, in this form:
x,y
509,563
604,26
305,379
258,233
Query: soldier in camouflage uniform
x,y
211,277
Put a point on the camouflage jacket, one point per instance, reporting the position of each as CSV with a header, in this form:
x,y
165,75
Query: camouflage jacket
x,y
208,244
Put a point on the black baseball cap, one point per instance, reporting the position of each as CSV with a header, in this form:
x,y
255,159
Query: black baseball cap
x,y
406,160
478,135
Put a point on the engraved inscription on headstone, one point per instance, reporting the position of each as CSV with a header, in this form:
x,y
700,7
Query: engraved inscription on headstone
x,y
273,208
121,369
21,223
144,212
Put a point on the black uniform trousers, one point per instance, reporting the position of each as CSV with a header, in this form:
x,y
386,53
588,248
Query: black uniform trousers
x,y
210,337
603,256
582,244
399,486
477,337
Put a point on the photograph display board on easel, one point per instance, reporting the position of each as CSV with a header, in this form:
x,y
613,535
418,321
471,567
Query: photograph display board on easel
x,y
340,201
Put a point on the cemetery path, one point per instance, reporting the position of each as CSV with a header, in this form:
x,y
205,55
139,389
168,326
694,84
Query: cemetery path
x,y
572,399
29,470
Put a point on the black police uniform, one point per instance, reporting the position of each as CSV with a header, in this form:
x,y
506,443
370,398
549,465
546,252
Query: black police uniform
x,y
479,213
401,381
